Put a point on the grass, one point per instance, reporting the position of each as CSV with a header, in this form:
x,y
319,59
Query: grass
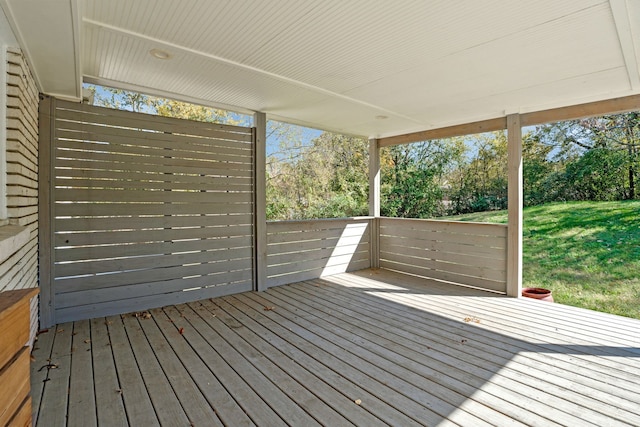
x,y
587,253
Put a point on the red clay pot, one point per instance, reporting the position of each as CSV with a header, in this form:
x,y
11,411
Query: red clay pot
x,y
538,293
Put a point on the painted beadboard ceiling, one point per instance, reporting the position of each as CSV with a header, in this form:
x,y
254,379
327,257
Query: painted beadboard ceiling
x,y
364,67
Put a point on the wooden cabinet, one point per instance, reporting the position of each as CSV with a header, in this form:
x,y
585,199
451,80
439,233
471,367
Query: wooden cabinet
x,y
15,400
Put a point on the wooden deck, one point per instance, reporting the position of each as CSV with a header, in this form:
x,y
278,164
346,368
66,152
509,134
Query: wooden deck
x,y
366,348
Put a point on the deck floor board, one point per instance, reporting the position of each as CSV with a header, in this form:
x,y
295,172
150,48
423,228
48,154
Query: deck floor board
x,y
367,348
260,375
196,407
256,334
41,355
279,377
598,395
165,402
82,402
110,409
137,399
351,366
402,345
200,337
430,366
218,398
389,366
318,360
55,396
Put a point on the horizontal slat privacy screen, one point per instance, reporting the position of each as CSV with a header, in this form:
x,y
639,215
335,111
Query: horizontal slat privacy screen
x,y
147,211
308,249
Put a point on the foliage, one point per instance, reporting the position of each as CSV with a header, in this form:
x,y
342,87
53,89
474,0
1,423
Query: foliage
x,y
120,99
184,110
599,155
579,160
326,179
445,177
587,253
480,184
413,177
597,175
536,170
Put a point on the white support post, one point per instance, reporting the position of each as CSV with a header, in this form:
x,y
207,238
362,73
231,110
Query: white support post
x,y
374,178
4,216
514,233
374,200
260,189
46,202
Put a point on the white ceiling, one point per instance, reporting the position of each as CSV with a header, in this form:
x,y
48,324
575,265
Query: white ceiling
x,y
341,65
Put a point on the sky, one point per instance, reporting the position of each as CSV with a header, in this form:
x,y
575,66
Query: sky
x,y
304,136
278,134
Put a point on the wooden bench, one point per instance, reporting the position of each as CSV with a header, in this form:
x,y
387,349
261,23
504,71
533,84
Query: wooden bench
x,y
15,399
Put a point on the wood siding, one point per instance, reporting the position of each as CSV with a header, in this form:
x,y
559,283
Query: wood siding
x,y
472,254
308,249
147,210
20,269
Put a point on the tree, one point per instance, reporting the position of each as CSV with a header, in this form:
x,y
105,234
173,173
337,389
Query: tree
x,y
200,113
326,178
598,175
120,99
606,148
287,196
537,169
414,177
620,132
480,182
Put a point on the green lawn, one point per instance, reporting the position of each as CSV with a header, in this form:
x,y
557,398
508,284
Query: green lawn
x,y
587,253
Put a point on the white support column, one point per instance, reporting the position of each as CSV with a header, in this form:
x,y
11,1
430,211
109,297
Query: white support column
x,y
374,178
514,233
4,216
260,219
374,200
46,202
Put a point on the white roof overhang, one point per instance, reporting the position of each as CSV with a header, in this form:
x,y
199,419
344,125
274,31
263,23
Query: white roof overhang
x,y
375,68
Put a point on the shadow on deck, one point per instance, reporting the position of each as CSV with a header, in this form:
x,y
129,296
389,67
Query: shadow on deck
x,y
366,348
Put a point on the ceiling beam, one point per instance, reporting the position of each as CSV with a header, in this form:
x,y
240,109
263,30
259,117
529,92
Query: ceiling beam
x,y
15,29
76,18
48,33
625,35
246,67
590,109
447,132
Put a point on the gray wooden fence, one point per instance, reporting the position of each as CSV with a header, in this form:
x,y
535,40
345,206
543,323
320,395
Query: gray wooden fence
x,y
308,249
472,254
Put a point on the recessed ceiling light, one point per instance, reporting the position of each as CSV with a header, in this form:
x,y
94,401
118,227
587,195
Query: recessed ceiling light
x,y
160,54
382,117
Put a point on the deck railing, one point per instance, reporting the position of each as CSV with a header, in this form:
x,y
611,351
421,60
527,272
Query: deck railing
x,y
466,253
472,254
308,249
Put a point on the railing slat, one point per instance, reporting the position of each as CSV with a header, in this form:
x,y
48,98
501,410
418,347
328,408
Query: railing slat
x,y
308,249
472,254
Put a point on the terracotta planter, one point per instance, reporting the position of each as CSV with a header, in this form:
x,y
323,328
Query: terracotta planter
x,y
538,293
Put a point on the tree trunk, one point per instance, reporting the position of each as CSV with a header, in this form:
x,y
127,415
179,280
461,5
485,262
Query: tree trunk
x,y
632,159
632,185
